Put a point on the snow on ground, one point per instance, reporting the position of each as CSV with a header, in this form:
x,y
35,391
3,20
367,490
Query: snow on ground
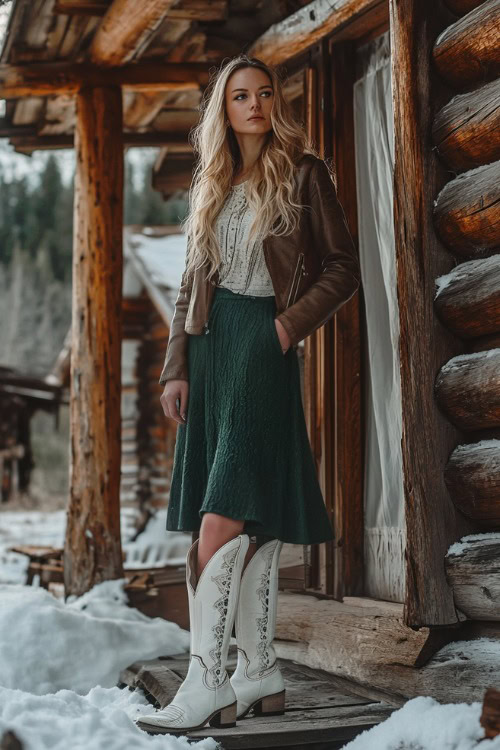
x,y
78,644
60,661
101,720
424,724
155,547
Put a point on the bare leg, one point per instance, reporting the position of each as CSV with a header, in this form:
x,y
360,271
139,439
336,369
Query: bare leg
x,y
215,531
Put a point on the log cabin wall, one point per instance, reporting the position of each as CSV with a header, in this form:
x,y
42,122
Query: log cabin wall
x,y
156,434
148,438
465,133
432,207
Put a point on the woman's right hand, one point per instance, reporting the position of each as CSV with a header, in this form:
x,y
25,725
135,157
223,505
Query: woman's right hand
x,y
175,389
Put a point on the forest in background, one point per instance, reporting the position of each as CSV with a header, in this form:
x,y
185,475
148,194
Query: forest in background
x,y
40,215
36,218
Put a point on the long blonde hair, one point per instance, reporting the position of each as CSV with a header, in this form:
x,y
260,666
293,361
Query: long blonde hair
x,y
270,190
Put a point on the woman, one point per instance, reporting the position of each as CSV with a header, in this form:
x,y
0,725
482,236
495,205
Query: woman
x,y
269,261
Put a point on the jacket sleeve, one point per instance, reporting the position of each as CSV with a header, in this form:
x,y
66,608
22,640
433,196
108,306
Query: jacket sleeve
x,y
340,275
176,364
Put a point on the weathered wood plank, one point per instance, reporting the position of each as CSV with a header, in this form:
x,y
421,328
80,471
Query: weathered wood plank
x,y
431,521
299,729
92,549
44,79
347,574
468,298
473,570
467,212
306,27
465,131
467,390
468,51
472,476
126,27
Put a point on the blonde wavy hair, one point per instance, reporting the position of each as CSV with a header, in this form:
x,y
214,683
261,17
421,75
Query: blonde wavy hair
x,y
270,190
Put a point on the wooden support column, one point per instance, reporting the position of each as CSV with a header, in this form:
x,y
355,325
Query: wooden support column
x,y
92,550
431,520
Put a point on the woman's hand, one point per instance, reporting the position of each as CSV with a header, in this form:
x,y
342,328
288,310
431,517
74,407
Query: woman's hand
x,y
282,335
175,389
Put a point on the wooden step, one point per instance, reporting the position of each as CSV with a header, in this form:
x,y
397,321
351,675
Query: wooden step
x,y
317,711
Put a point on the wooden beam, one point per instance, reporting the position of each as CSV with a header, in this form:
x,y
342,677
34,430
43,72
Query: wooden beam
x,y
468,51
92,551
431,520
194,10
125,29
465,131
345,382
307,26
81,7
33,142
45,79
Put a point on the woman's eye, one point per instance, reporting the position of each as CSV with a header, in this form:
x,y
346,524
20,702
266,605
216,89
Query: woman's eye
x,y
267,93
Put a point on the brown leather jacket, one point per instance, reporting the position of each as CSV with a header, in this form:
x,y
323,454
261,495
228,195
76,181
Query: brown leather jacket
x,y
314,271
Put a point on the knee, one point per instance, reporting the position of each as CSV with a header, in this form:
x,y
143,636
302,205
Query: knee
x,y
218,530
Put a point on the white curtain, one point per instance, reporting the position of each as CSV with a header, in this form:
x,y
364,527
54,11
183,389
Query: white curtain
x,y
383,480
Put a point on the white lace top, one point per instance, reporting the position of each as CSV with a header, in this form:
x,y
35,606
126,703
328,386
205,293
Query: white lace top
x,y
243,267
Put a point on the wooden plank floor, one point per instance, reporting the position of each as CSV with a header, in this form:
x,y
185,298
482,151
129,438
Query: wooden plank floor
x,y
319,715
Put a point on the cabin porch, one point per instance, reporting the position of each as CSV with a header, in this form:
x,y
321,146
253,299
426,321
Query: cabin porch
x,y
322,711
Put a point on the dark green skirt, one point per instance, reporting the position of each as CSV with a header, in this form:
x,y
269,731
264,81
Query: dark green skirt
x,y
244,451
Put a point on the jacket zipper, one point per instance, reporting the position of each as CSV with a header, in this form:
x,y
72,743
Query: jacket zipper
x,y
296,280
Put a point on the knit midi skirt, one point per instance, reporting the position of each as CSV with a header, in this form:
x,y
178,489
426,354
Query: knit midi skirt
x,y
244,451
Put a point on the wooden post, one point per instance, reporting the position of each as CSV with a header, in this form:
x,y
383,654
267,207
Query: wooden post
x,y
432,523
92,550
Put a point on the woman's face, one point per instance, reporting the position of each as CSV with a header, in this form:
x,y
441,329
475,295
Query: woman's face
x,y
249,100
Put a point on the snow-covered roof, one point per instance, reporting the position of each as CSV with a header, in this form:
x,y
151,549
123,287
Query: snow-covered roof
x,y
155,261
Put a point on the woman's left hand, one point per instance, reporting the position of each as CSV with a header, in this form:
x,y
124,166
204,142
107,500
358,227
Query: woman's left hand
x,y
282,335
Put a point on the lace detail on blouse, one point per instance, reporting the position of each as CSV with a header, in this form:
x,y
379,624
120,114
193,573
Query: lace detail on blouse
x,y
243,266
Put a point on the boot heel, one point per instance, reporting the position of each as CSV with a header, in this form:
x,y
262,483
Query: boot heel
x,y
225,718
271,705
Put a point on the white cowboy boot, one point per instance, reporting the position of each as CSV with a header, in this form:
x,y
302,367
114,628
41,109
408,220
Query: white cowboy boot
x,y
206,694
257,680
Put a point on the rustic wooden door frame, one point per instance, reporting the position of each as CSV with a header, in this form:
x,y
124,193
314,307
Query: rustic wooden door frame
x,y
332,359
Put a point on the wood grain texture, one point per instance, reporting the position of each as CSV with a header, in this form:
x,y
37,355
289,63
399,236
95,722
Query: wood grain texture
x,y
348,568
307,26
468,298
431,520
467,212
468,51
473,570
44,79
126,27
92,551
472,475
465,131
468,390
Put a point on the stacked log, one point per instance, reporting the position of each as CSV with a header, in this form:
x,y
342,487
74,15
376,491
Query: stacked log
x,y
467,300
155,433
